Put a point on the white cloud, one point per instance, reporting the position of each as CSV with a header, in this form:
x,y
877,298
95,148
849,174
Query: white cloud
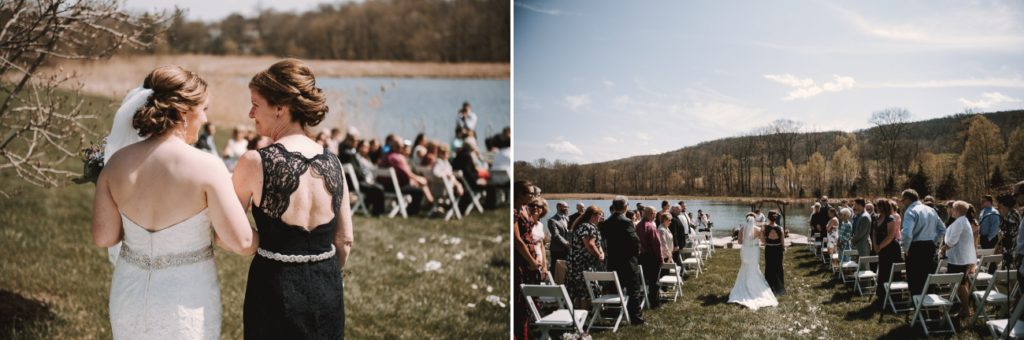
x,y
611,140
577,101
806,87
988,100
644,136
553,12
966,82
565,147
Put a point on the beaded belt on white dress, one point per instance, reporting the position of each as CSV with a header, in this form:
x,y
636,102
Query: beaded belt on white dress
x,y
296,258
167,260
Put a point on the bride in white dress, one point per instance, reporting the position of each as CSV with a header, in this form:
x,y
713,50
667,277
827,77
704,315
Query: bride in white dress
x,y
751,289
157,198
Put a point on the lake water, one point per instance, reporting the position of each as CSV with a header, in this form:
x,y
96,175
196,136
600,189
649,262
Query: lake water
x,y
726,215
408,106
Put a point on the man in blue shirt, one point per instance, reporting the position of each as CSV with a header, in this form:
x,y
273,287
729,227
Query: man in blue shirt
x,y
989,220
922,228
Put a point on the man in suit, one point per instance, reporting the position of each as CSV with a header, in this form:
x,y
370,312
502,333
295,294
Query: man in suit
x,y
579,212
679,233
623,247
820,220
558,228
861,240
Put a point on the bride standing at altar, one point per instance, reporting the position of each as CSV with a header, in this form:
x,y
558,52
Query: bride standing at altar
x,y
160,197
751,289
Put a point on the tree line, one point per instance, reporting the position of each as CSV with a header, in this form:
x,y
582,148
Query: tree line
x,y
961,156
408,30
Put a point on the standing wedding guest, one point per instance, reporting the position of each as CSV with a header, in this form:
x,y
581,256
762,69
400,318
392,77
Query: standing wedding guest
x,y
679,233
235,147
921,231
820,219
759,217
650,254
623,246
297,190
579,212
815,208
774,247
886,232
1018,194
466,119
538,207
861,229
668,245
205,141
990,221
1008,228
832,230
558,228
664,208
845,234
961,253
586,255
526,263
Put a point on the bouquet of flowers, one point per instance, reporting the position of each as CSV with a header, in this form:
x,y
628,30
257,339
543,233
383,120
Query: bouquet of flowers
x,y
92,164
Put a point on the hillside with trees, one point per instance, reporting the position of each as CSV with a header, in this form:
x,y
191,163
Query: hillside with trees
x,y
959,156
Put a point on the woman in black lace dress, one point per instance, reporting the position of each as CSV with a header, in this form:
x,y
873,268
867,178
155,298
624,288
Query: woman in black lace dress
x,y
299,201
774,247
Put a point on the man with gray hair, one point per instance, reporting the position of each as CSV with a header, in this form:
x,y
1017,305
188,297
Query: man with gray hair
x,y
579,212
921,230
623,247
558,228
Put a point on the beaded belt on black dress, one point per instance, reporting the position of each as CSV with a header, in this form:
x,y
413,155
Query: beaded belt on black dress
x,y
296,258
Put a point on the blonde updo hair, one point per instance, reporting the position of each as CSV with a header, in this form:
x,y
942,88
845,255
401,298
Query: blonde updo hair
x,y
175,92
290,83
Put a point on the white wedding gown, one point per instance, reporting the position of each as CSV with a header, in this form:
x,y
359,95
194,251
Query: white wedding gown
x,y
751,289
165,283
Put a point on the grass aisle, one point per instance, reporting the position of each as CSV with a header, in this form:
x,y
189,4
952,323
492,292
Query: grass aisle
x,y
815,307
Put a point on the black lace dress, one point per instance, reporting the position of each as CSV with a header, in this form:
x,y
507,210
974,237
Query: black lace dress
x,y
773,254
294,300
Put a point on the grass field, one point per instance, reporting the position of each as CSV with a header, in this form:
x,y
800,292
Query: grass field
x,y
815,307
55,284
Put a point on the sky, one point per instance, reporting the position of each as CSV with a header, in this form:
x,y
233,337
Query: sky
x,y
214,10
604,80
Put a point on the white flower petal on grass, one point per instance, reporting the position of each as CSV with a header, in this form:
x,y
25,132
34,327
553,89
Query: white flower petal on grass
x,y
432,266
471,305
497,239
459,255
423,240
495,300
412,258
490,289
474,286
401,256
455,240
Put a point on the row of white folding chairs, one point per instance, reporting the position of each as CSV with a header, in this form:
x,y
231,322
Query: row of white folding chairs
x,y
400,201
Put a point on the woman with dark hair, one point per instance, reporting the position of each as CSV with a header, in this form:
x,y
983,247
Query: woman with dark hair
x,y
1008,228
774,247
885,231
299,197
586,254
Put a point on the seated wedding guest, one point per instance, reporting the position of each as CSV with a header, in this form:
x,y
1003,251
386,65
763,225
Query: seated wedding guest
x,y
558,228
205,141
419,148
989,222
586,255
333,140
650,253
376,151
668,245
886,233
960,251
409,182
235,147
373,192
476,173
1008,227
322,139
347,147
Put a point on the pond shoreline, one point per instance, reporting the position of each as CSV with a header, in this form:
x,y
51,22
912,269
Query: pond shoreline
x,y
671,198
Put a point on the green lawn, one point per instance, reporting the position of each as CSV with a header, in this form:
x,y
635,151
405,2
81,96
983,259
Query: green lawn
x,y
55,284
815,307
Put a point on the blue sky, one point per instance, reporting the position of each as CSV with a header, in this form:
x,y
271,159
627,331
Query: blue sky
x,y
213,10
603,80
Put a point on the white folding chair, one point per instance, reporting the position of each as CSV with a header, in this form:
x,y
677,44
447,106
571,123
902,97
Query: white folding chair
x,y
986,252
672,281
850,266
942,267
981,276
360,199
899,288
646,302
999,327
473,195
702,246
998,292
864,273
606,301
564,318
400,200
691,261
940,299
449,188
